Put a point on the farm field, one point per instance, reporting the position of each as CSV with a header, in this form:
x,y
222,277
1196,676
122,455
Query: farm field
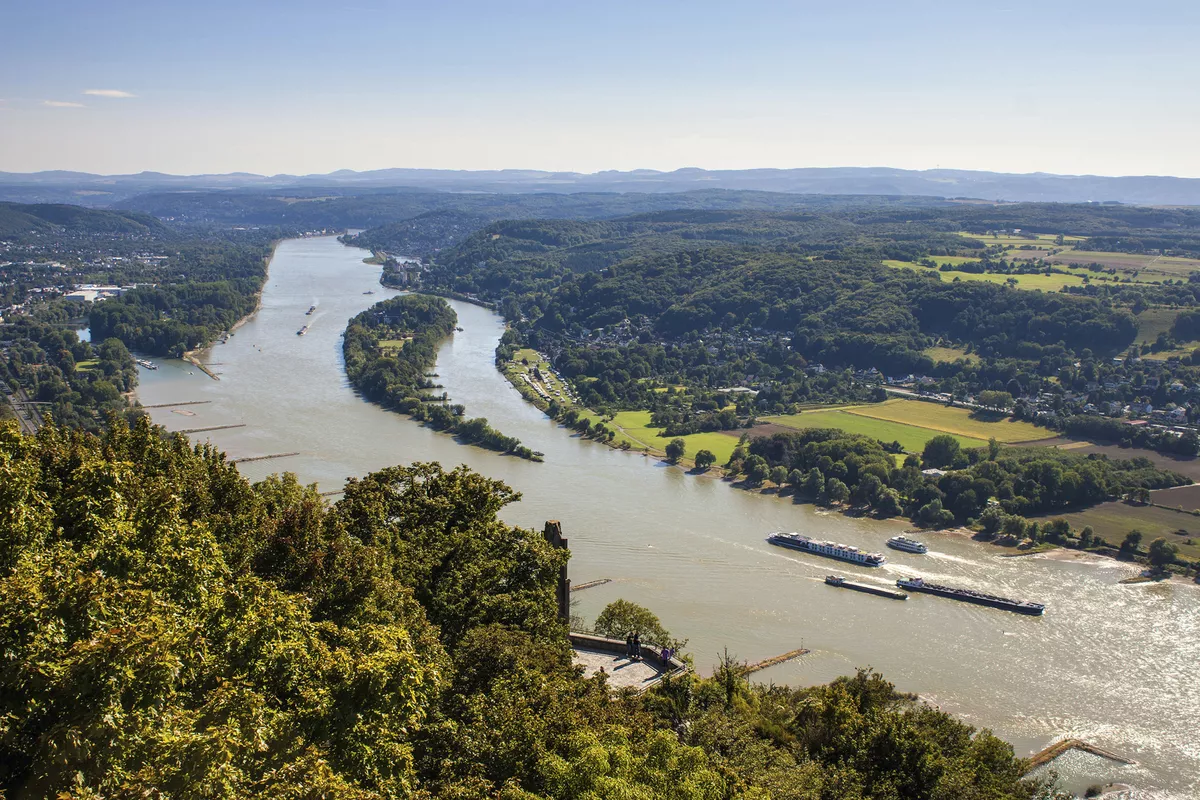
x,y
1046,283
1166,266
1185,497
911,437
1188,467
952,420
1111,521
1011,240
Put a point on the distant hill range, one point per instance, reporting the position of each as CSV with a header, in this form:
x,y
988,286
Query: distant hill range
x,y
102,190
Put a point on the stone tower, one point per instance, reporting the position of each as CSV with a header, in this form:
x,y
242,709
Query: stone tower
x,y
555,539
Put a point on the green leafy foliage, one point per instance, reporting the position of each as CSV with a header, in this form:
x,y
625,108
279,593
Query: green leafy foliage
x,y
1022,480
170,629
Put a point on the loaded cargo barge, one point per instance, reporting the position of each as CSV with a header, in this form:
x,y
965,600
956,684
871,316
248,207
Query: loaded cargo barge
x,y
971,596
842,583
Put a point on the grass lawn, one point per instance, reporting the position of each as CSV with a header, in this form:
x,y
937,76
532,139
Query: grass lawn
x,y
1111,521
948,419
1047,283
948,354
1154,321
392,344
894,264
1184,349
911,437
634,427
84,366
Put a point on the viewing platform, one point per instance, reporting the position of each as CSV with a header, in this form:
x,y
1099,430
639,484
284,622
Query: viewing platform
x,y
598,652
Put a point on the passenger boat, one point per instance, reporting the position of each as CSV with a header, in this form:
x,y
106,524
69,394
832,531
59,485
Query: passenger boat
x,y
907,545
842,552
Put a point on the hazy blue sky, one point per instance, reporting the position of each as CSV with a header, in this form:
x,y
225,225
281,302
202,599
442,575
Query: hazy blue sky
x,y
1075,87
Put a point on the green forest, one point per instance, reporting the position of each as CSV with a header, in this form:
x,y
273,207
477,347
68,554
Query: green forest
x,y
171,629
792,303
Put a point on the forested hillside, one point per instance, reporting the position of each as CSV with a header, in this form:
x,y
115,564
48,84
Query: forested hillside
x,y
171,629
781,292
20,221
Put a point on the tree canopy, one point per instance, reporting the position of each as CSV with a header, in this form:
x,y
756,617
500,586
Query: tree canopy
x,y
170,629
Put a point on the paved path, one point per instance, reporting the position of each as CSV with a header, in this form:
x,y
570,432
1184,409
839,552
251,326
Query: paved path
x,y
621,670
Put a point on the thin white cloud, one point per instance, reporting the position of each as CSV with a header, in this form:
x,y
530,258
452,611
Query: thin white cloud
x,y
62,104
108,93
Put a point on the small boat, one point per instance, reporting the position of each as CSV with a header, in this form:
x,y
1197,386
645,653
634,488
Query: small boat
x,y
302,331
907,545
311,309
458,329
369,291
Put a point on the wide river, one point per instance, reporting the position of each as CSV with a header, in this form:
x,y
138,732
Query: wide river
x,y
1116,665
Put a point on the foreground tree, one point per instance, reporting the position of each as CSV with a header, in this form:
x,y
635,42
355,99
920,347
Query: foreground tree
x,y
705,459
675,450
621,618
170,629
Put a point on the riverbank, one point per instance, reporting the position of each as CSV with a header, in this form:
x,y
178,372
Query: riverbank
x,y
190,355
692,549
540,384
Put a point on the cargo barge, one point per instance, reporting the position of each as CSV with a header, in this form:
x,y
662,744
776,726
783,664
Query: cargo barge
x,y
865,588
971,596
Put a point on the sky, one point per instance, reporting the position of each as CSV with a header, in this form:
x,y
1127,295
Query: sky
x,y
300,87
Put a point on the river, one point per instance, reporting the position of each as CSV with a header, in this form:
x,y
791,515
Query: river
x,y
1113,664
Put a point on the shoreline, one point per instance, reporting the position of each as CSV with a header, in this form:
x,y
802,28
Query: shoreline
x,y
1052,552
190,355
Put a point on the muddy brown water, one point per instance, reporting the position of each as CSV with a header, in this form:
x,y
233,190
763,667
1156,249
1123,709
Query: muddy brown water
x,y
1114,665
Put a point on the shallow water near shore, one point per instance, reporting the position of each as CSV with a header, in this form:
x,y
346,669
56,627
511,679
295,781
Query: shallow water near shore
x,y
1114,665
